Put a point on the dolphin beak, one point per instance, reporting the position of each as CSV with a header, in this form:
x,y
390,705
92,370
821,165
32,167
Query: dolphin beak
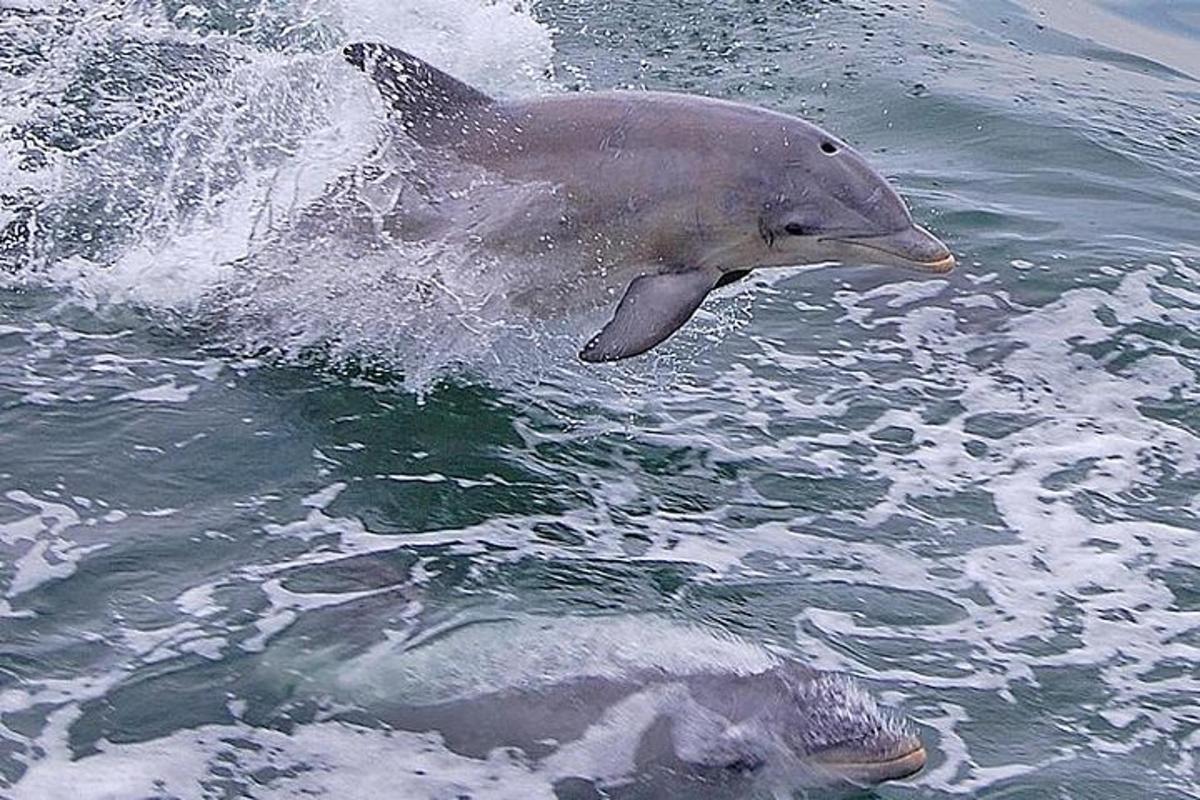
x,y
912,247
907,758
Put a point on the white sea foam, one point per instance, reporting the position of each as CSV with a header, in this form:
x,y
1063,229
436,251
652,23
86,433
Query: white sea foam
x,y
323,759
37,547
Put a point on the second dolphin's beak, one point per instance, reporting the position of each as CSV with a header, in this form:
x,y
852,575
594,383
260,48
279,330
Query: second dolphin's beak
x,y
912,247
858,767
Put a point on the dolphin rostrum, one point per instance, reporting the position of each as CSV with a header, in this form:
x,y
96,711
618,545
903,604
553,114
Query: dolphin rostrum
x,y
664,196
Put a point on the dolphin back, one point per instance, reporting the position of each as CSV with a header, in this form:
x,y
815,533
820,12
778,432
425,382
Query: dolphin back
x,y
433,106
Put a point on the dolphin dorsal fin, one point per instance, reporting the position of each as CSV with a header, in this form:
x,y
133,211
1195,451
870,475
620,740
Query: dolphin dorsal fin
x,y
431,103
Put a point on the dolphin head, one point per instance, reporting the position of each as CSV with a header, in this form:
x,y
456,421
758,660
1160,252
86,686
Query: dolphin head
x,y
823,202
832,727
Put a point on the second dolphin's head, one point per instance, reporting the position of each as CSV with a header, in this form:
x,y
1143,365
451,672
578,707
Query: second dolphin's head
x,y
793,727
839,730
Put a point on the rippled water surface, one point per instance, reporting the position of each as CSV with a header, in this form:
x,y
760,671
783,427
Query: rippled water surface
x,y
226,456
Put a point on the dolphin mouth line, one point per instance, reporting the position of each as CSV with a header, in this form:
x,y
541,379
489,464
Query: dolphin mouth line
x,y
891,769
937,265
941,265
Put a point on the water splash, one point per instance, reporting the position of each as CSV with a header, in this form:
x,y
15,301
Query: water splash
x,y
170,157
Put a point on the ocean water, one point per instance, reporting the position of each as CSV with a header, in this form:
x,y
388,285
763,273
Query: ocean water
x,y
234,459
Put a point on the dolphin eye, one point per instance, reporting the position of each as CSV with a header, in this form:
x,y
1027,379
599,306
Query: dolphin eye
x,y
796,229
829,148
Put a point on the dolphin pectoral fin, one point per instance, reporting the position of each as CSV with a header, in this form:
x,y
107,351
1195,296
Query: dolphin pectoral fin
x,y
653,308
434,106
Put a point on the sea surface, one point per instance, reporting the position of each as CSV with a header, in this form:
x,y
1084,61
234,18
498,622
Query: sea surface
x,y
234,460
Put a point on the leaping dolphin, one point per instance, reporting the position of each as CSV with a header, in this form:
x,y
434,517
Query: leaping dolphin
x,y
666,196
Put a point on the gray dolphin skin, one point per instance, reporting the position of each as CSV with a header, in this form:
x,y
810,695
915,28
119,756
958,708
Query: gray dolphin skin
x,y
665,196
599,706
698,735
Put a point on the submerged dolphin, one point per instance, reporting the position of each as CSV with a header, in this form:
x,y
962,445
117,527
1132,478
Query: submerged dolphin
x,y
699,735
622,708
666,196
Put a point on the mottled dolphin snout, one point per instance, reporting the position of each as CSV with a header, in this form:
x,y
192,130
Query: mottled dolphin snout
x,y
904,758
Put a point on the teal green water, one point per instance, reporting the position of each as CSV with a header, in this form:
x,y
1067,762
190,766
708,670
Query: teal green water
x,y
979,493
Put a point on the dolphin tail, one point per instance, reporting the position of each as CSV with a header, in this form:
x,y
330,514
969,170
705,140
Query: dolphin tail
x,y
432,105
